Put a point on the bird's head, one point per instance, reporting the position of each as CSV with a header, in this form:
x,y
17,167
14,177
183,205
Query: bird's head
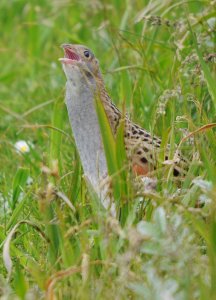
x,y
78,56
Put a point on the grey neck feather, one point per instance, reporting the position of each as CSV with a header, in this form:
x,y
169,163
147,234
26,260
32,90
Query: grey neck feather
x,y
80,103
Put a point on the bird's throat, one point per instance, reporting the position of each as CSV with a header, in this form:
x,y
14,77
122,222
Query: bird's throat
x,y
80,102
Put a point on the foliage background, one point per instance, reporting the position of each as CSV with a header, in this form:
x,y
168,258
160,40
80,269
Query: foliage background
x,y
158,60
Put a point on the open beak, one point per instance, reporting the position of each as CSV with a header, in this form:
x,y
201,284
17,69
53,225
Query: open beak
x,y
70,55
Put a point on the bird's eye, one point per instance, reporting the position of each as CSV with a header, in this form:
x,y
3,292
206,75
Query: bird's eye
x,y
86,53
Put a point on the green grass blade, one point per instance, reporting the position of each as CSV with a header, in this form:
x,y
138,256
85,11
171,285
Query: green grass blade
x,y
19,183
56,135
123,168
211,82
109,147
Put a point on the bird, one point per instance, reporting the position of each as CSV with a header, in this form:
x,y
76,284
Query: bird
x,y
84,81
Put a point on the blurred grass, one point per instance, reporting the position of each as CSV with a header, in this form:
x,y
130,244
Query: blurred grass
x,y
162,71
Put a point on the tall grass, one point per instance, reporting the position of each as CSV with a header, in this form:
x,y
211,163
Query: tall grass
x,y
158,60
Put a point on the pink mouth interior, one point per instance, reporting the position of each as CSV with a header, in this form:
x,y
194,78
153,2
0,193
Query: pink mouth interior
x,y
71,55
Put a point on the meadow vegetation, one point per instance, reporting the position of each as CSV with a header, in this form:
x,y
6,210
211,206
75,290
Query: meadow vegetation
x,y
158,60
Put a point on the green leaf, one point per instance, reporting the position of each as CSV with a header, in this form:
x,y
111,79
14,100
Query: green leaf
x,y
19,183
20,284
56,135
123,169
121,156
208,77
109,147
160,219
148,230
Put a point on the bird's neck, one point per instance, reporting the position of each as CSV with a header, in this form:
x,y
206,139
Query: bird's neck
x,y
80,101
112,112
